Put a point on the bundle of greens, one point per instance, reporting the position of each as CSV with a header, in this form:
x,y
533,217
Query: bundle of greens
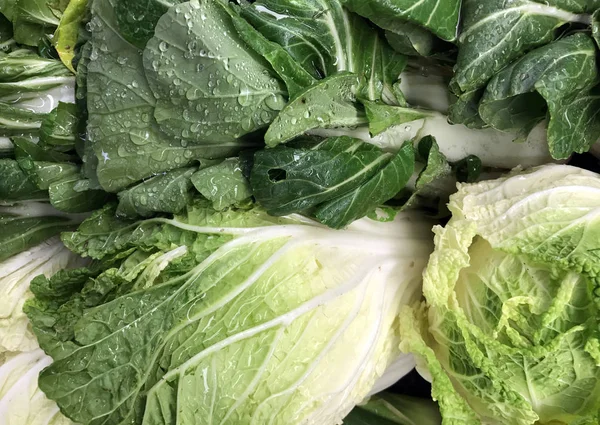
x,y
219,212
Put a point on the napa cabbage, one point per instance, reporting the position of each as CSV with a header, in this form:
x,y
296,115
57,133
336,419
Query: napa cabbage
x,y
510,331
226,317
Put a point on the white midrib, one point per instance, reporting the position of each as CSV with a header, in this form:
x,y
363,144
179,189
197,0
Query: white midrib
x,y
330,344
44,80
350,383
338,45
284,319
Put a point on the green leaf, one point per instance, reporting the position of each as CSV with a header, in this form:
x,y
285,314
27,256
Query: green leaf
x,y
169,193
26,149
324,38
215,89
468,169
515,99
434,181
344,178
59,128
438,16
15,69
15,185
30,88
7,8
136,20
32,20
235,297
575,124
511,291
17,121
328,104
465,110
223,184
26,228
67,33
128,144
496,33
342,211
381,117
45,174
65,196
409,39
288,70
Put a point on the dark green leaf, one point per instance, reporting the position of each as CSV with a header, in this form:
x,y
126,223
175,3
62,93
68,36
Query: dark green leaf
x,y
410,39
289,71
15,184
21,233
468,169
324,38
497,32
439,16
200,96
17,121
60,127
342,211
394,409
64,196
465,110
514,98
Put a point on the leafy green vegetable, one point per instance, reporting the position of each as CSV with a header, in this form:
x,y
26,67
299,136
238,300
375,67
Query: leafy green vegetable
x,y
59,128
328,104
128,143
511,292
555,74
30,223
163,193
16,273
223,184
438,16
343,178
325,39
285,316
499,32
67,33
381,117
214,90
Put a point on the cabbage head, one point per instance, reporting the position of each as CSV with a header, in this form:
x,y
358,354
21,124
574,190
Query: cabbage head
x,y
225,317
510,329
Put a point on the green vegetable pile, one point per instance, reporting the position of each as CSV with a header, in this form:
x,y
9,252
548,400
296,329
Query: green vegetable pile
x,y
219,212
